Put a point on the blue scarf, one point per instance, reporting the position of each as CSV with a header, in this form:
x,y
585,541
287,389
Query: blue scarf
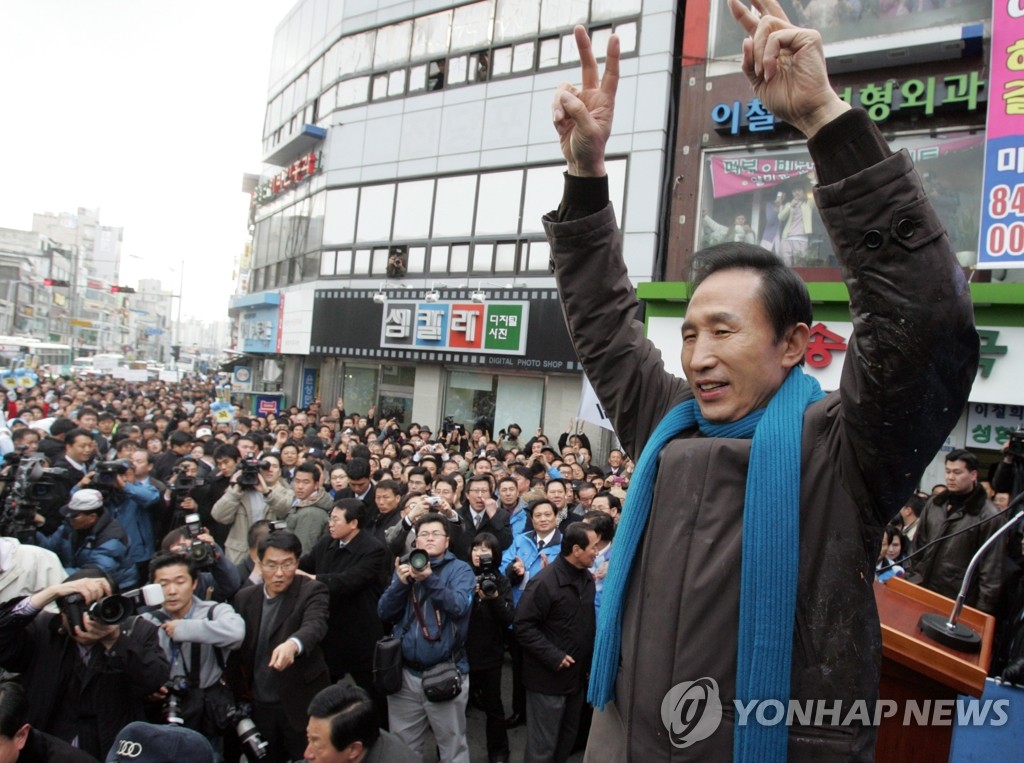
x,y
770,563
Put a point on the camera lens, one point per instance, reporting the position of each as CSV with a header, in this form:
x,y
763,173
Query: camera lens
x,y
418,559
109,610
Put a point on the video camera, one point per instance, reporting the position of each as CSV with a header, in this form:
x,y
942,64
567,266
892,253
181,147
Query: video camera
x,y
249,473
107,472
28,483
1016,446
183,484
200,552
113,609
488,577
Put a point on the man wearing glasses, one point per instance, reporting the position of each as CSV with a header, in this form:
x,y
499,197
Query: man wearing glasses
x,y
431,606
280,666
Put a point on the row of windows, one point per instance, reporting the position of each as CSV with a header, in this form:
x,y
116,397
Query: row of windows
x,y
454,41
505,203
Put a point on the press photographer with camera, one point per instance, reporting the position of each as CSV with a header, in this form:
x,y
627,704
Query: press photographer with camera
x,y
485,644
430,598
218,577
195,636
85,679
256,492
91,537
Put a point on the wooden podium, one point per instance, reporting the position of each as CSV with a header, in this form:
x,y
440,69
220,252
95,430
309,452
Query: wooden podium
x,y
914,667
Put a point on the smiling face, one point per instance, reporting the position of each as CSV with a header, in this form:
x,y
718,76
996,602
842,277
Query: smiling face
x,y
730,357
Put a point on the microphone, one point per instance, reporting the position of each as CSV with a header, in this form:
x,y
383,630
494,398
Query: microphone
x,y
948,631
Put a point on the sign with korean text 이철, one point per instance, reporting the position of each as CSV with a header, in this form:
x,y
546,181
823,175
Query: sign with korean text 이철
x,y
1001,243
498,328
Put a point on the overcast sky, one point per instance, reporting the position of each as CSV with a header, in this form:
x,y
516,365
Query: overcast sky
x,y
150,110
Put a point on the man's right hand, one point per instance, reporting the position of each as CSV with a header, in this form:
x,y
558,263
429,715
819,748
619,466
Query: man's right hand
x,y
91,589
583,116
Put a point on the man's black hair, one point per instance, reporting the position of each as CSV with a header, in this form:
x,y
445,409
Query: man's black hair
x,y
784,295
61,426
308,467
601,523
540,502
970,460
179,437
480,478
361,451
358,468
88,412
350,712
20,434
557,481
227,451
257,532
916,504
353,509
283,540
448,480
575,535
394,486
74,434
423,472
161,560
429,517
613,500
13,708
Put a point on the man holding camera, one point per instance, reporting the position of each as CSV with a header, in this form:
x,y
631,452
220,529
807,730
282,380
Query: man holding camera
x,y
195,636
85,679
430,599
280,664
257,492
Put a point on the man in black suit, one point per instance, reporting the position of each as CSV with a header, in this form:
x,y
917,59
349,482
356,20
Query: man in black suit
x,y
280,665
481,514
356,568
359,485
76,461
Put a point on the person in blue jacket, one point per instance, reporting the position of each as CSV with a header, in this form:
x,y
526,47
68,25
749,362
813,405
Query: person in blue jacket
x,y
91,537
534,550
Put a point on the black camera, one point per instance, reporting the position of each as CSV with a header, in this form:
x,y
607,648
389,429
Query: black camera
x,y
28,484
252,741
107,472
249,473
487,579
183,484
176,689
1016,446
200,552
110,610
417,559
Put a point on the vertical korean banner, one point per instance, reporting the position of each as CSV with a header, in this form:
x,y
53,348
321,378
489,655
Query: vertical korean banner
x,y
307,394
1002,201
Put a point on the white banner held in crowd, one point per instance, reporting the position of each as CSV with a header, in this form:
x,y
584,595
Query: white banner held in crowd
x,y
591,409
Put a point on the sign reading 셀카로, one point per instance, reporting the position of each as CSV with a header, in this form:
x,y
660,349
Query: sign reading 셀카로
x,y
494,327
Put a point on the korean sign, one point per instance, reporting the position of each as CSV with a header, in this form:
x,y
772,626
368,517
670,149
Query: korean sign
x,y
1002,198
494,327
989,426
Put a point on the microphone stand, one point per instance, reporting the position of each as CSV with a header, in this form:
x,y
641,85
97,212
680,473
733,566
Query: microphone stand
x,y
949,632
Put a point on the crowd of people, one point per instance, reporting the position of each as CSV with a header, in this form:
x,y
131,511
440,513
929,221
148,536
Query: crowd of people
x,y
284,550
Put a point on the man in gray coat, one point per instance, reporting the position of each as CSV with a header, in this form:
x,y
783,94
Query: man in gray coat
x,y
737,581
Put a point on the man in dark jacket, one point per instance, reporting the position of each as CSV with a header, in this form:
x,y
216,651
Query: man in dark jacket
x,y
84,679
555,625
280,664
20,743
747,328
481,514
963,505
354,566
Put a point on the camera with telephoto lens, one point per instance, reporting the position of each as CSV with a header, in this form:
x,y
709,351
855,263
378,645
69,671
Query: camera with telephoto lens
x,y
1016,446
249,473
200,552
176,689
488,577
252,741
113,609
418,559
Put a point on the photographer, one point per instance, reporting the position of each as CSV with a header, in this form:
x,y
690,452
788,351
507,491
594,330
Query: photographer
x,y
218,577
431,601
91,537
257,492
84,679
492,614
195,636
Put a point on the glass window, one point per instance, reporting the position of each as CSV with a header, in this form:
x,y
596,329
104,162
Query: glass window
x,y
356,53
379,263
332,62
522,56
352,91
482,256
479,66
542,185
301,84
309,266
274,239
375,206
599,41
515,18
392,45
570,53
343,263
457,70
259,255
327,263
556,15
315,77
396,82
288,101
360,388
459,262
418,78
275,113
438,259
540,257
430,35
601,10
361,262
470,399
417,259
327,103
340,216
519,399
550,51
257,281
380,87
627,37
453,209
412,209
505,258
499,203
502,62
471,27
315,231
